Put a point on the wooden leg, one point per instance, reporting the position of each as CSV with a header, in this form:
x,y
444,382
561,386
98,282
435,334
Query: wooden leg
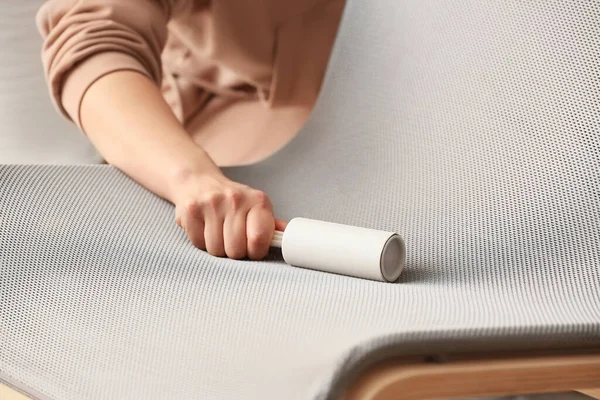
x,y
478,376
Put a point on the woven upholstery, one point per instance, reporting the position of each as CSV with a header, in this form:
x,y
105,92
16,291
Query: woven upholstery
x,y
471,128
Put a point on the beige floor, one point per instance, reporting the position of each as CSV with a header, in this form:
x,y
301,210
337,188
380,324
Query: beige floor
x,y
7,393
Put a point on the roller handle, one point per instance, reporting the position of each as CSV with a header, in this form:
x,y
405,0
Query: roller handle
x,y
277,239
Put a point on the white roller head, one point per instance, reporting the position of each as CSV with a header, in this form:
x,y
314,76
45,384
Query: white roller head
x,y
343,249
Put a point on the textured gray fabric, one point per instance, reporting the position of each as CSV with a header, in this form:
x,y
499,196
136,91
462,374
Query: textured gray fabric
x,y
471,128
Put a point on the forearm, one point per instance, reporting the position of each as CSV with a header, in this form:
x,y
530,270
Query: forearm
x,y
126,118
102,60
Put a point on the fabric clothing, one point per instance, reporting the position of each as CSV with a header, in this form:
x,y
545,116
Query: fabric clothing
x,y
271,52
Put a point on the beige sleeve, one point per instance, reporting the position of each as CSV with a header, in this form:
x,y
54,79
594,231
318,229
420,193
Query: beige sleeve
x,y
87,39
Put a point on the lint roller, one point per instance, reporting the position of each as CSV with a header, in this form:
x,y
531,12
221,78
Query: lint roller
x,y
342,249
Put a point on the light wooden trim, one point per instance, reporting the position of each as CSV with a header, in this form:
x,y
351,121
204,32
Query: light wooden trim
x,y
474,376
594,393
465,376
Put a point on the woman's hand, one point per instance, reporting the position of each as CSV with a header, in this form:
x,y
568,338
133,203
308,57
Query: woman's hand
x,y
226,218
129,122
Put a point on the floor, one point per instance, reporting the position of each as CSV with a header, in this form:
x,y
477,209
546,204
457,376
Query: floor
x,y
7,393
